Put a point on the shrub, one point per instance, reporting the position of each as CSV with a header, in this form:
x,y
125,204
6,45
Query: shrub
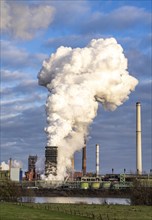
x,y
141,193
9,191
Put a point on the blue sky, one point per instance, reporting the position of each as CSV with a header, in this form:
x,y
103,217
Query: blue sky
x,y
30,32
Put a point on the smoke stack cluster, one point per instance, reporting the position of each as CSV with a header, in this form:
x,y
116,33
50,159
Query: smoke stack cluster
x,y
138,139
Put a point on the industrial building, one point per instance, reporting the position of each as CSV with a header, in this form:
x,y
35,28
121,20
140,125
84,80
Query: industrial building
x,y
13,173
31,174
16,174
84,181
51,160
32,163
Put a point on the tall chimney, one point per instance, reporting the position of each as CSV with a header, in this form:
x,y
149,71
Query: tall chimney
x,y
72,162
97,159
10,164
84,158
138,139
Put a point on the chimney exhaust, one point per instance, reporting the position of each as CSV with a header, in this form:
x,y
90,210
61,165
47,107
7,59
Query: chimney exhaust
x,y
138,139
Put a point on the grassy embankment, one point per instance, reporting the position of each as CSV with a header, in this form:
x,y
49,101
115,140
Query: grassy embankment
x,y
30,211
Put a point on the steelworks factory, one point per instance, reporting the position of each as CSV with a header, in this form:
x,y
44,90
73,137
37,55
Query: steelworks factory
x,y
82,179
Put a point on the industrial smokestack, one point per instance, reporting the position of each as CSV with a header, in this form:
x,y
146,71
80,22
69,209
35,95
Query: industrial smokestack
x,y
10,164
138,139
97,159
72,162
84,159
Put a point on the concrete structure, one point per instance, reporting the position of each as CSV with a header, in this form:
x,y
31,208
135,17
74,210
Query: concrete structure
x,y
51,160
16,174
31,174
32,163
84,159
97,159
138,139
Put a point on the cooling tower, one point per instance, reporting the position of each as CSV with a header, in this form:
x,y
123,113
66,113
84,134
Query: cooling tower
x,y
84,159
51,153
138,139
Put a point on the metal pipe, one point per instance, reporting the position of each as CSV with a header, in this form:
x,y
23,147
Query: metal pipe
x,y
97,159
10,164
138,139
72,162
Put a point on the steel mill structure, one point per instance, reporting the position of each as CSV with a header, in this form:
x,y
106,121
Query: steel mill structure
x,y
51,153
32,163
82,179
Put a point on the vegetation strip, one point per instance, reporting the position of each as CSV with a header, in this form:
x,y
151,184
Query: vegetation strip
x,y
31,211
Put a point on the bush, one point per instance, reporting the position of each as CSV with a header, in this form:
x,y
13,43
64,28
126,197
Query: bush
x,y
9,191
141,193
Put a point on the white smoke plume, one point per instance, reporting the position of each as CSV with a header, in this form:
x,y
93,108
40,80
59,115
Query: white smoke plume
x,y
40,165
14,164
77,79
4,166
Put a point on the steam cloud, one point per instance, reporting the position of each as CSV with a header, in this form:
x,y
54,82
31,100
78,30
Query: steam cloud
x,y
77,79
14,164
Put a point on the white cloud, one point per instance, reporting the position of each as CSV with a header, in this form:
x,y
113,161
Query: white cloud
x,y
16,57
7,75
73,40
6,117
23,21
122,18
11,53
136,15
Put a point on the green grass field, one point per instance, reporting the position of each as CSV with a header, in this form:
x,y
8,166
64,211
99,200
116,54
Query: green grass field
x,y
10,211
30,211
